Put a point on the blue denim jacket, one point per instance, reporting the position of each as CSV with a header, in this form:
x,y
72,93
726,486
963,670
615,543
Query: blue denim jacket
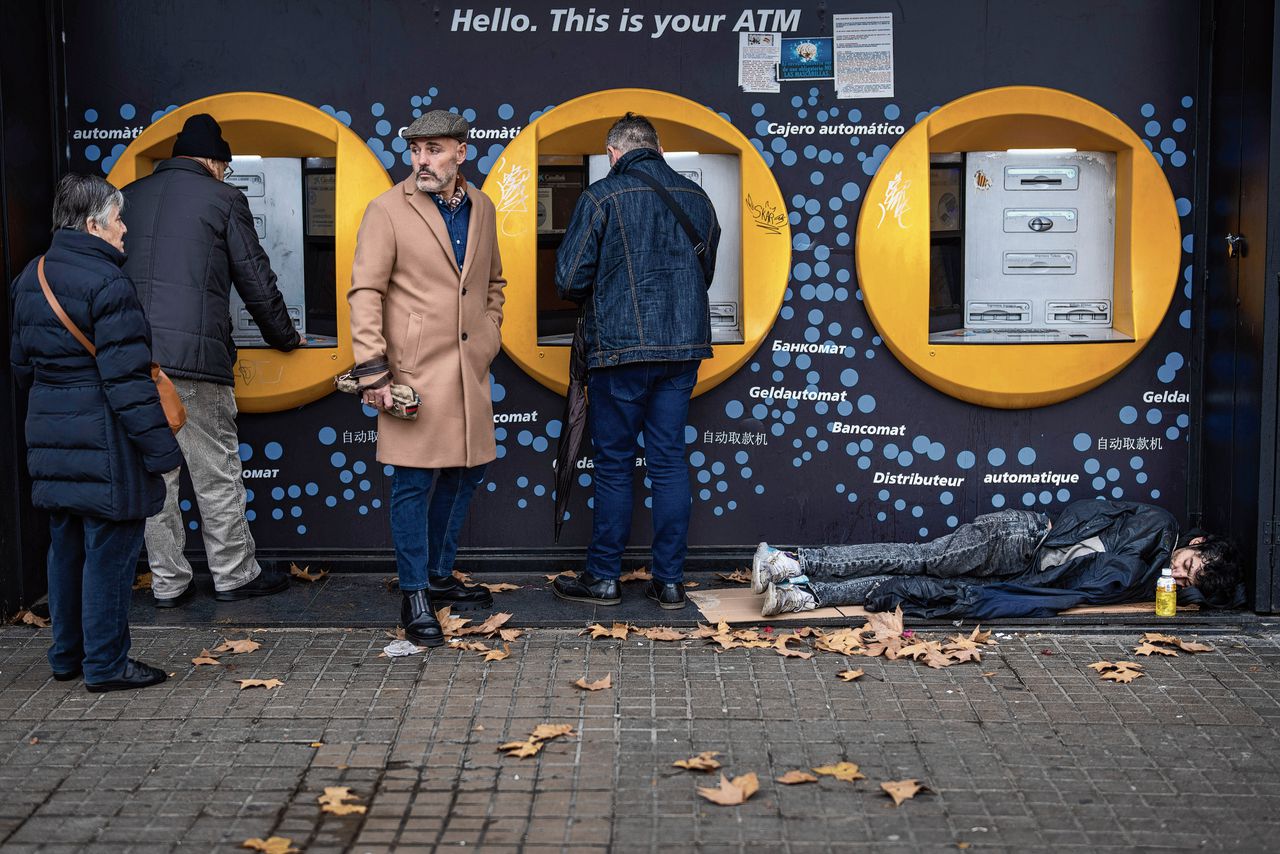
x,y
626,256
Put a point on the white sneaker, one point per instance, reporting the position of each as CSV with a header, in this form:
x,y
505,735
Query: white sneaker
x,y
771,566
786,599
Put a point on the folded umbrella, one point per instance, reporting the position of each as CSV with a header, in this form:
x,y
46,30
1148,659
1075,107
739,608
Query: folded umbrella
x,y
574,425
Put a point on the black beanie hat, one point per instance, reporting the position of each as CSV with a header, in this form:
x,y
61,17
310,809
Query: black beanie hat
x,y
202,137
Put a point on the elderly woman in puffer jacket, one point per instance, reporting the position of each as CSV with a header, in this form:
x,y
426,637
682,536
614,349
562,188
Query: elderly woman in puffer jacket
x,y
98,441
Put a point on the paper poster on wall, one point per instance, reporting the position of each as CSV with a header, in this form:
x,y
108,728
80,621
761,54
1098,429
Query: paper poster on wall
x,y
806,59
758,56
864,55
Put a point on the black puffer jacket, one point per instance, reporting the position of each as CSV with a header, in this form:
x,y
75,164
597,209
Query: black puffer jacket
x,y
97,439
190,239
1139,540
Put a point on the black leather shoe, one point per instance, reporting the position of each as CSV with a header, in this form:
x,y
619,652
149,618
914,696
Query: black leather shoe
x,y
669,596
69,675
448,590
585,587
269,581
419,620
177,601
135,675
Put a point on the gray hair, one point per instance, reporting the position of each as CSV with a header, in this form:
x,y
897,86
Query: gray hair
x,y
631,132
84,197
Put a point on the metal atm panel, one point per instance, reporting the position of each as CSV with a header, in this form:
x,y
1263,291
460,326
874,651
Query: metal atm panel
x,y
720,176
273,186
1039,244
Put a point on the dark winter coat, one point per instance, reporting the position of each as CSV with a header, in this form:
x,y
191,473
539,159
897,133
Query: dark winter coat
x,y
1139,541
97,438
626,256
191,238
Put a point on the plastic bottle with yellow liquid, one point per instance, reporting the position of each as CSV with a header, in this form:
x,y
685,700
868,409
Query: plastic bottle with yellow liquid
x,y
1166,594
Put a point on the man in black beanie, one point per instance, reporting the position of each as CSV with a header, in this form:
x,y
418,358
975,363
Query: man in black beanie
x,y
191,238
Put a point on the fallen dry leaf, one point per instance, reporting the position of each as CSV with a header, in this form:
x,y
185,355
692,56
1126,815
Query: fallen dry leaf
x,y
556,575
729,793
841,641
259,683
786,652
619,631
641,574
791,778
142,582
705,631
334,801
500,587
1185,646
271,845
303,573
884,624
738,576
498,654
704,761
205,657
449,624
238,647
598,685
522,749
546,732
488,627
471,646
317,744
841,771
510,634
692,584
1120,671
989,674
661,633
28,618
1146,648
462,576
850,675
1192,646
903,790
34,740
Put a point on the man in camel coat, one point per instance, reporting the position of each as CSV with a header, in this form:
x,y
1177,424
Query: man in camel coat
x,y
426,311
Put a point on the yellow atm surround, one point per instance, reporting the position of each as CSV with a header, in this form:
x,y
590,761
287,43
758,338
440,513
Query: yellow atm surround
x,y
577,128
276,126
892,251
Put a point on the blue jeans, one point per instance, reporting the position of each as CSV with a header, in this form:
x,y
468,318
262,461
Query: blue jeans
x,y
426,534
994,546
91,569
653,396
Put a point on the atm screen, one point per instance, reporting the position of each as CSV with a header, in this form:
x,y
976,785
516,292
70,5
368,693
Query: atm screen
x,y
292,201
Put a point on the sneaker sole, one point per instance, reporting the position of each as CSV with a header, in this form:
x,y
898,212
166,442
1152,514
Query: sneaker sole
x,y
757,579
771,603
590,600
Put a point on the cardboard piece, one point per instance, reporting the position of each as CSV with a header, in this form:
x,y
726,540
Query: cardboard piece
x,y
740,605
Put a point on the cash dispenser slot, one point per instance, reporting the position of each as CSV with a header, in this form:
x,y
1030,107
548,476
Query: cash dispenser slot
x,y
1039,263
292,202
1040,221
1072,313
999,313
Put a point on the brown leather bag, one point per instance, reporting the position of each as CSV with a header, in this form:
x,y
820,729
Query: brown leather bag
x,y
174,410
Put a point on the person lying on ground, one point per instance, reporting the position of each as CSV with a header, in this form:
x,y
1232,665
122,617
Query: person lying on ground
x,y
1011,563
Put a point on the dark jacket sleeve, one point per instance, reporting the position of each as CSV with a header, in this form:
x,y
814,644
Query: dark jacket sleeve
x,y
579,253
19,362
255,281
124,363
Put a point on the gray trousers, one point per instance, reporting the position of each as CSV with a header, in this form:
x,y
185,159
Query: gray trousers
x,y
993,546
211,450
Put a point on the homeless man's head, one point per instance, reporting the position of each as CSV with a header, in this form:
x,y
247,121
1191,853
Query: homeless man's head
x,y
1211,564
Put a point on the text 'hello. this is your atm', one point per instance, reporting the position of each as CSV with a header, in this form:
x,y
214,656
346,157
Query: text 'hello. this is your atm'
x,y
1022,246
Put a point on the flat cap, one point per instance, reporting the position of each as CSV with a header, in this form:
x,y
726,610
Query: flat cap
x,y
438,123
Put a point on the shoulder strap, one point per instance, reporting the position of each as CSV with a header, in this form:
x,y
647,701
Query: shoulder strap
x,y
699,245
62,315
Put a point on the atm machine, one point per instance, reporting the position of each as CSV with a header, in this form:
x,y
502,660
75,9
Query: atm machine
x,y
1038,237
293,205
561,179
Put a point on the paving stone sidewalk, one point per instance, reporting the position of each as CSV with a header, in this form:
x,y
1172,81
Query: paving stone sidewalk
x,y
1028,750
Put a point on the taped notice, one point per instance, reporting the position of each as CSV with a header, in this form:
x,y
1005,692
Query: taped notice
x,y
864,55
758,55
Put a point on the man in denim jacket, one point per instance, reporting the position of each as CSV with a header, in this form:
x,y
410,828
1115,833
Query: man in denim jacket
x,y
647,322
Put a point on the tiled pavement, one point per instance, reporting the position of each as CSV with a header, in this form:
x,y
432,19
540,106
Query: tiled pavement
x,y
1028,750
